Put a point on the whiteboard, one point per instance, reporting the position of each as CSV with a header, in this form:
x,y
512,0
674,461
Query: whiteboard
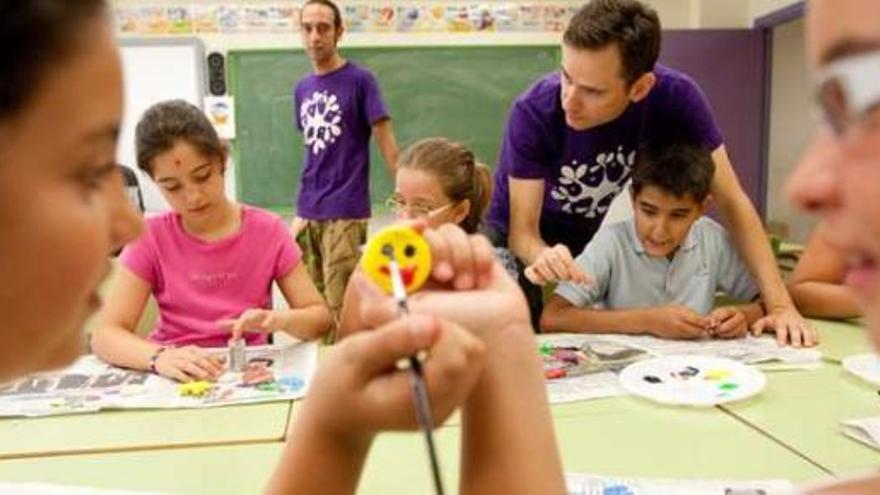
x,y
153,71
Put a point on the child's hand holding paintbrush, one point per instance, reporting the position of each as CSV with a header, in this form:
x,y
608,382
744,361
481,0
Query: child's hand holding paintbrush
x,y
467,305
399,260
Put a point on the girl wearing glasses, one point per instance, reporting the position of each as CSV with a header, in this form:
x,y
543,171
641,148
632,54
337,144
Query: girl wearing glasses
x,y
440,182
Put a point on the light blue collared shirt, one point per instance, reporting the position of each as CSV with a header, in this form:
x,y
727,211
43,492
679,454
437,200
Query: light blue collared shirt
x,y
627,277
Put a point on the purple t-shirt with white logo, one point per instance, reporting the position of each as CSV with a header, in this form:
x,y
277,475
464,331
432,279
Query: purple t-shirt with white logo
x,y
335,113
584,170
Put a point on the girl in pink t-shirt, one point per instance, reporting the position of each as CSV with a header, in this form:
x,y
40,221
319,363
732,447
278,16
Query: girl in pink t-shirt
x,y
210,262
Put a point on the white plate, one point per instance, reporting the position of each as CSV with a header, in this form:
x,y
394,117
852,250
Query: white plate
x,y
864,366
692,380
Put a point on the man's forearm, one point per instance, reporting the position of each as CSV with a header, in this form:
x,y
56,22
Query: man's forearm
x,y
526,247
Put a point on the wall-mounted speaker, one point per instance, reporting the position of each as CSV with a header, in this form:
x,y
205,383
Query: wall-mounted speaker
x,y
216,74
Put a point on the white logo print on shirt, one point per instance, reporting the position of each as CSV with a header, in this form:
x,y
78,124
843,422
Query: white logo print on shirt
x,y
320,117
588,190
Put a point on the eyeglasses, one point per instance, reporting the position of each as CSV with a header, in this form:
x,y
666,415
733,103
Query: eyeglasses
x,y
397,205
849,90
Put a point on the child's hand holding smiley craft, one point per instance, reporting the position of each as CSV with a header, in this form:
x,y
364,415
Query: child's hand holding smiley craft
x,y
404,245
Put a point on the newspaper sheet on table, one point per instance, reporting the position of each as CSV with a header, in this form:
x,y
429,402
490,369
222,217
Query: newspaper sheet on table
x,y
91,385
600,380
748,350
588,484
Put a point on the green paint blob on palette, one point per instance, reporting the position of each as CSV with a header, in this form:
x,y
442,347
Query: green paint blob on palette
x,y
701,381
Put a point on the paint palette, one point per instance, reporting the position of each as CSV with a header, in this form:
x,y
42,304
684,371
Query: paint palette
x,y
864,366
692,380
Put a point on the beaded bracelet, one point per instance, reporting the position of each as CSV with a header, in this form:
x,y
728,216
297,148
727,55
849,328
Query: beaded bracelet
x,y
155,357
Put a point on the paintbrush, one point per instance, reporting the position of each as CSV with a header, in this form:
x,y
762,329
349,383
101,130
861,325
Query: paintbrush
x,y
420,392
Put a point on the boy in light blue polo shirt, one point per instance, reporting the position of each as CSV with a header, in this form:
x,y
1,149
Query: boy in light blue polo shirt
x,y
658,272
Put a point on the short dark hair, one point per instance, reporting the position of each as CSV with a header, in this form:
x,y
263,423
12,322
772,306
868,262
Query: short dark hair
x,y
337,15
629,24
679,169
35,35
166,123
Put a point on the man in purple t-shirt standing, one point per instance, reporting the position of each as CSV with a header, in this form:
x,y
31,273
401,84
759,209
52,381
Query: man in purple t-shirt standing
x,y
337,108
571,141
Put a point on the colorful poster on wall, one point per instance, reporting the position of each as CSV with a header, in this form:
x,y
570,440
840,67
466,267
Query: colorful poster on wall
x,y
206,19
230,19
255,20
221,112
179,20
283,19
421,17
435,17
360,16
409,18
128,20
357,16
383,18
481,17
457,18
572,10
555,17
531,17
154,20
506,17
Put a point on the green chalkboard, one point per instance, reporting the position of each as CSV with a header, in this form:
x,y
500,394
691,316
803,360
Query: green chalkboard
x,y
458,92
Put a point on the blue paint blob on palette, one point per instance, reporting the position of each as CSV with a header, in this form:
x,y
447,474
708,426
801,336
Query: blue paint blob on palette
x,y
692,380
291,383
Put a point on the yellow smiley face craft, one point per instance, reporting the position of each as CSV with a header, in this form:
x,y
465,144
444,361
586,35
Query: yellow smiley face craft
x,y
409,249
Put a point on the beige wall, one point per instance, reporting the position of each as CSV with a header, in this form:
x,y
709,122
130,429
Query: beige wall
x,y
732,13
758,8
791,124
720,14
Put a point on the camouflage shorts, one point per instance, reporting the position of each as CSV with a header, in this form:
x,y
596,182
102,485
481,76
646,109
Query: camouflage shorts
x,y
331,251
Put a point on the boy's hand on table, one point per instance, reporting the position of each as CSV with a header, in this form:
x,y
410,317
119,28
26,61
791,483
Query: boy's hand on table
x,y
727,322
677,322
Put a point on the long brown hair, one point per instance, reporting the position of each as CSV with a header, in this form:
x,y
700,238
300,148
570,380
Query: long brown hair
x,y
461,177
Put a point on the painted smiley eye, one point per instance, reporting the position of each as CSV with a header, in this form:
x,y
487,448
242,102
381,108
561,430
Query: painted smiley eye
x,y
409,251
388,250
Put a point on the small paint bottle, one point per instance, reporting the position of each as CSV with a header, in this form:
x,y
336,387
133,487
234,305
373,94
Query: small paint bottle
x,y
237,354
